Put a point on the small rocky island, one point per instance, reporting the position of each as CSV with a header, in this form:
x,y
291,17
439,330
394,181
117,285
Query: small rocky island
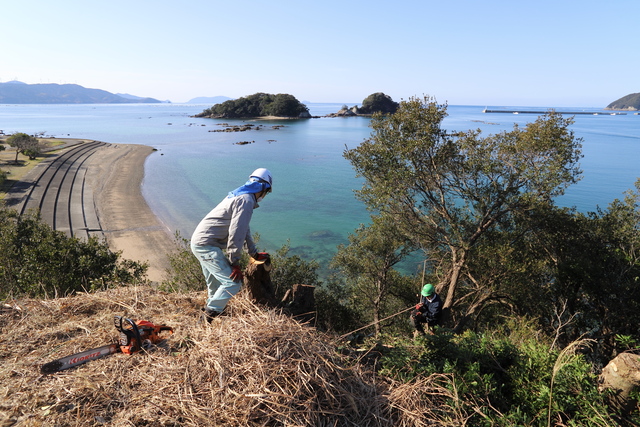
x,y
375,103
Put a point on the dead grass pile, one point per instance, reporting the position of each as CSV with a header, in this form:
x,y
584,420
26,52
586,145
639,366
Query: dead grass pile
x,y
252,367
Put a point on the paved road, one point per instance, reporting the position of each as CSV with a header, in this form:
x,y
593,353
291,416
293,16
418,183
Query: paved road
x,y
57,188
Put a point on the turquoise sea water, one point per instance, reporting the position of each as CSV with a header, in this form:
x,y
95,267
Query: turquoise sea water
x,y
312,204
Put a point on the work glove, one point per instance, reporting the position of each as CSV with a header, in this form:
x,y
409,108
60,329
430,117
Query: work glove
x,y
236,273
261,256
418,306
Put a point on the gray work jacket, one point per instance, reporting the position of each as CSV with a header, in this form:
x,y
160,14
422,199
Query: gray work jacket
x,y
227,227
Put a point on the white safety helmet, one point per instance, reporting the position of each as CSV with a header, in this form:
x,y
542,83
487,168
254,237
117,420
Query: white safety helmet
x,y
263,174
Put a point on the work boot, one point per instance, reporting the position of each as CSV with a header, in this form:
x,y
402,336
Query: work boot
x,y
210,314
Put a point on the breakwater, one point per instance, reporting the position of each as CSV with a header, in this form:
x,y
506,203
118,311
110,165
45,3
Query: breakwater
x,y
539,112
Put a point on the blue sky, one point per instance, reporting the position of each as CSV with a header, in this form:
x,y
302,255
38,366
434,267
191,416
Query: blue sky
x,y
550,53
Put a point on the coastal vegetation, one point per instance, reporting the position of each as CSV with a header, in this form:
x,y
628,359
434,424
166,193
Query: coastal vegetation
x,y
258,105
538,300
38,261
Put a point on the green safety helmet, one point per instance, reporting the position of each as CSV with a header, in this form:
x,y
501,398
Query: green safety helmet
x,y
428,290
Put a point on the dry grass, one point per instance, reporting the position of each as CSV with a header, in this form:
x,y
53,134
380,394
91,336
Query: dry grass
x,y
254,367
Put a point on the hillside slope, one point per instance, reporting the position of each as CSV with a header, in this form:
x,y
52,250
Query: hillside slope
x,y
21,93
253,367
629,102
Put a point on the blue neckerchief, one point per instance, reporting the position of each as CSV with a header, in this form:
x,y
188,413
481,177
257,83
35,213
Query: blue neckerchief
x,y
252,186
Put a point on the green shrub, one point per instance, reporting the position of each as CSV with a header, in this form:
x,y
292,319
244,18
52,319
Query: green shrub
x,y
505,379
289,270
38,261
184,273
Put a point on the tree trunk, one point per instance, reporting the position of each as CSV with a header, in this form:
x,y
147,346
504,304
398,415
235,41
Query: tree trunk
x,y
300,302
456,270
258,282
622,376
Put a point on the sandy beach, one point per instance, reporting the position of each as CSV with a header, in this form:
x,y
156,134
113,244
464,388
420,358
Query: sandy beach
x,y
116,174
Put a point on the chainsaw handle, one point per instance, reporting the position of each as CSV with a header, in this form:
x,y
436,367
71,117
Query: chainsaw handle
x,y
130,334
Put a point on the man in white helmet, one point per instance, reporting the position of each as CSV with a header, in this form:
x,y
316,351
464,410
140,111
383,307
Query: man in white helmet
x,y
225,230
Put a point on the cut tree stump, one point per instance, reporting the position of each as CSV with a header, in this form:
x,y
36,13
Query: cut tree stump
x,y
258,282
622,377
298,302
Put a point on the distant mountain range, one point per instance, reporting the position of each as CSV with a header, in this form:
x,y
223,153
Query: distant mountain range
x,y
15,92
208,100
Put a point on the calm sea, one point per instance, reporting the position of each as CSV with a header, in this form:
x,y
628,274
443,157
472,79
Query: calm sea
x,y
312,205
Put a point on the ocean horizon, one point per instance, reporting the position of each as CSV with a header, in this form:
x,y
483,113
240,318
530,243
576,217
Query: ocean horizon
x,y
312,206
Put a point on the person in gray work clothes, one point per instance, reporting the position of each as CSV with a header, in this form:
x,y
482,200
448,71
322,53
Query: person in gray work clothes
x,y
220,237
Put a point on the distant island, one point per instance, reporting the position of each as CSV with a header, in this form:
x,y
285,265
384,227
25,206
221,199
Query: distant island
x,y
630,102
15,92
258,105
375,103
262,105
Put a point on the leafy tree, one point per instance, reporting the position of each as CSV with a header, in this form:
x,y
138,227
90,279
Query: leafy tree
x,y
447,191
367,263
25,144
184,272
3,174
378,103
288,270
595,264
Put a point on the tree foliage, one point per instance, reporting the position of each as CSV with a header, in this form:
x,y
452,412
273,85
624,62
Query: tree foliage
x,y
258,105
39,261
367,265
25,144
448,191
595,265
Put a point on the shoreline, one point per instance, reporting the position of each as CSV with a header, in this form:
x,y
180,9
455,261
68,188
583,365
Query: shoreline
x,y
115,174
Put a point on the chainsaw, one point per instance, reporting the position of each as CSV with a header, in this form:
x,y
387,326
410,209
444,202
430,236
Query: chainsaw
x,y
134,336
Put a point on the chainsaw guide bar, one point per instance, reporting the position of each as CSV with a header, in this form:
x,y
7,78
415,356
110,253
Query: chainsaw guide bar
x,y
79,358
